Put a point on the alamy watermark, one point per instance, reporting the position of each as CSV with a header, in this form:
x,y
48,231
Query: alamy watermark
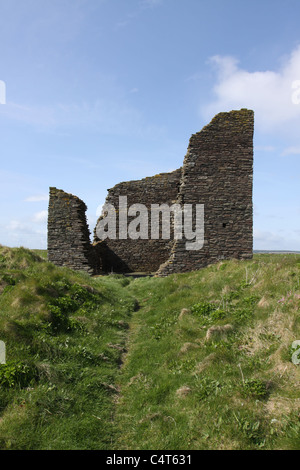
x,y
187,222
296,352
296,93
2,352
2,92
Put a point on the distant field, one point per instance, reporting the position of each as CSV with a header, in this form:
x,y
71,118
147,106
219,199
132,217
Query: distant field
x,y
201,360
276,251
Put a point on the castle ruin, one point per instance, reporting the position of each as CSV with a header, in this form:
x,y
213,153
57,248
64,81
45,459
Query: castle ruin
x,y
217,173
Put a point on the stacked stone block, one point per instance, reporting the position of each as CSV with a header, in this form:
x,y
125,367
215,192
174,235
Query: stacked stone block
x,y
68,234
141,255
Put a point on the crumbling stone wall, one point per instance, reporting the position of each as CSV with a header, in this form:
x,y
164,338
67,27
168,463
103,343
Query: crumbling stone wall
x,y
141,255
217,172
68,234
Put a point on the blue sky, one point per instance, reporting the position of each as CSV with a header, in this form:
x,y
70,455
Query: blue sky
x,y
104,91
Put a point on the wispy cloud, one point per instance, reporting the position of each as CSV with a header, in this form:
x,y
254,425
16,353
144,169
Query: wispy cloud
x,y
291,151
40,217
150,3
37,198
126,20
18,232
105,116
265,148
30,231
276,240
194,77
41,116
142,6
267,240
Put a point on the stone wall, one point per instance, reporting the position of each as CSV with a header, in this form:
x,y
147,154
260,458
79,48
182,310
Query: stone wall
x,y
217,172
143,255
68,234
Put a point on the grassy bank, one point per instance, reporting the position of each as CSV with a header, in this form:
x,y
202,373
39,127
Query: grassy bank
x,y
201,360
64,334
209,363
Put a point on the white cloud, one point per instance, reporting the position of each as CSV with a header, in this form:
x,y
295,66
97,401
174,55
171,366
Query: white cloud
x,y
150,3
266,240
265,148
37,198
255,210
40,217
291,151
15,225
142,6
42,116
272,240
30,232
271,94
106,115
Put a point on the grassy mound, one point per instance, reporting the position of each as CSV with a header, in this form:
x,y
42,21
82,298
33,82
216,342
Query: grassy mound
x,y
201,360
64,334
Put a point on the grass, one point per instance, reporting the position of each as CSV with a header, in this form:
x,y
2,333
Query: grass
x,y
201,360
209,363
64,334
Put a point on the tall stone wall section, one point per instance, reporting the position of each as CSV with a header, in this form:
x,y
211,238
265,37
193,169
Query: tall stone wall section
x,y
68,234
140,255
218,172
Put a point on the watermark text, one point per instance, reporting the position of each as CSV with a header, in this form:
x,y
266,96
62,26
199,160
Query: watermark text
x,y
2,352
296,93
296,352
139,222
2,92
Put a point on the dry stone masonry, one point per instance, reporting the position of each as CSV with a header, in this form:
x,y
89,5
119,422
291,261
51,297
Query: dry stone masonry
x,y
142,254
217,173
68,234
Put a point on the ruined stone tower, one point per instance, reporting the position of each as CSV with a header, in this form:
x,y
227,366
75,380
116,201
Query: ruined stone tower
x,y
217,173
